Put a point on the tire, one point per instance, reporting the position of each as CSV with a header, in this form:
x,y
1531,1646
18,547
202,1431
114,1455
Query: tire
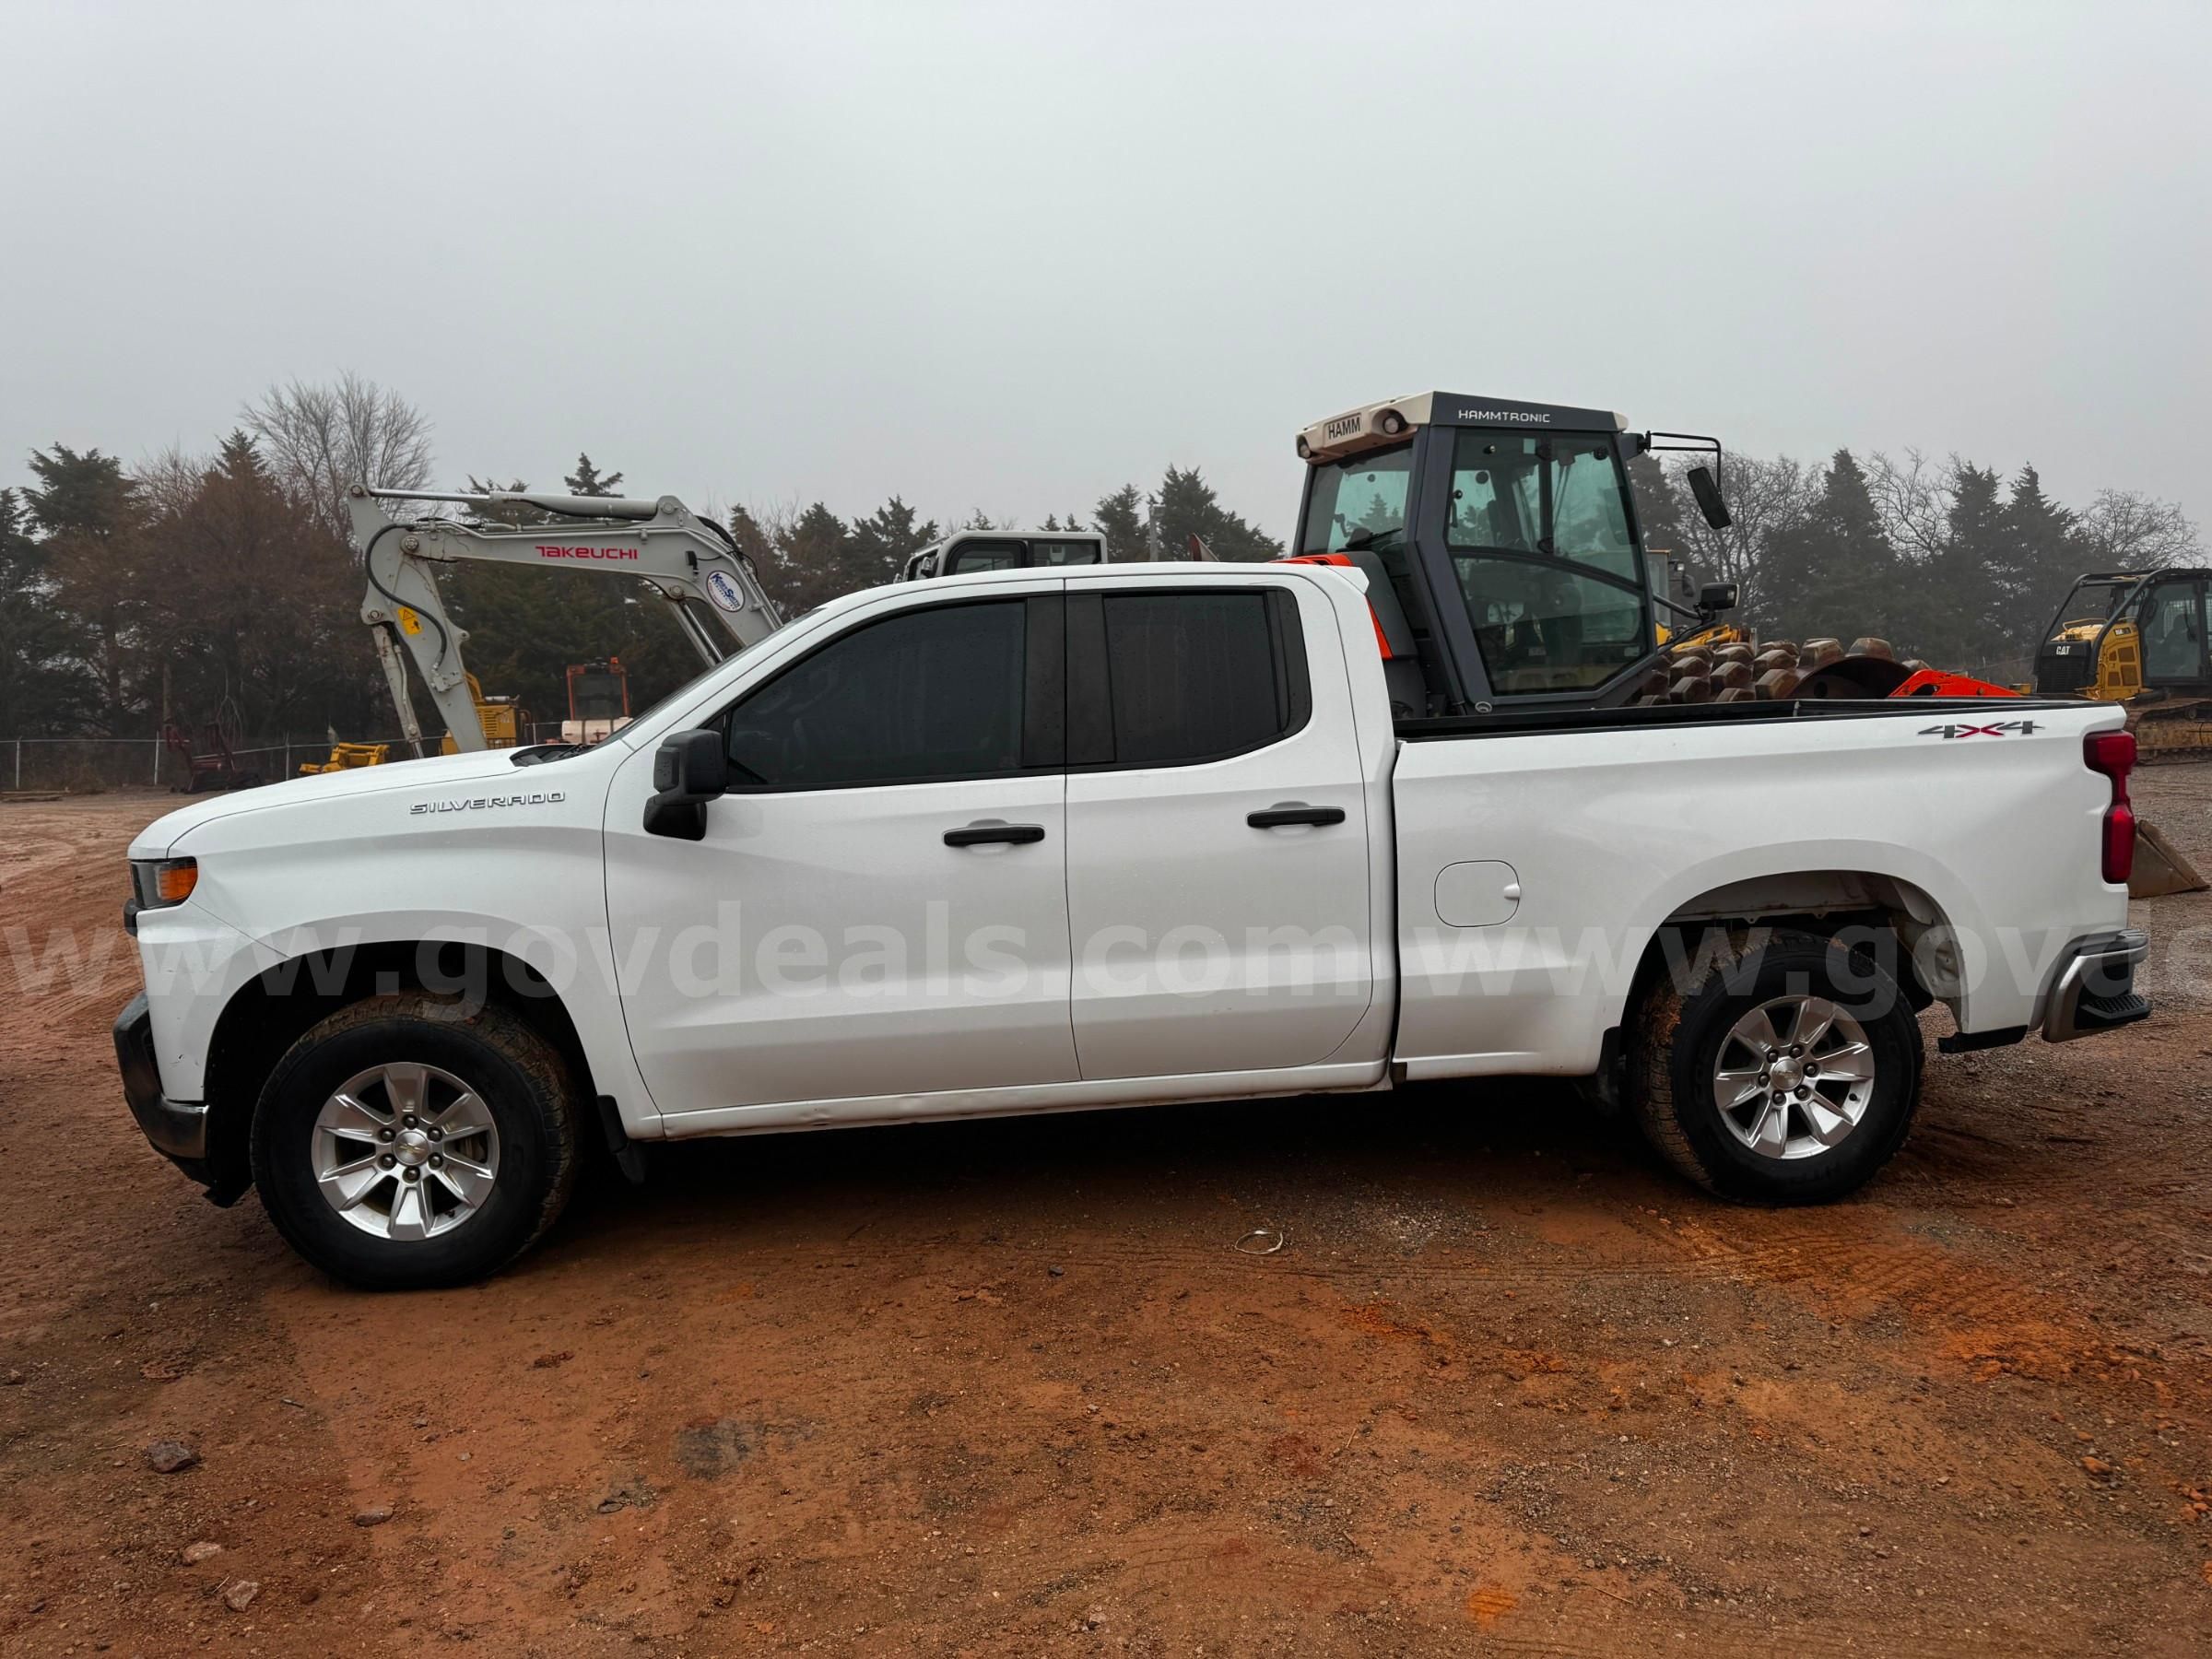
x,y
1699,1043
330,1165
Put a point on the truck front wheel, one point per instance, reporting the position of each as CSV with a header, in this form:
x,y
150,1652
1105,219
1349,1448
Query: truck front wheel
x,y
1781,1068
402,1143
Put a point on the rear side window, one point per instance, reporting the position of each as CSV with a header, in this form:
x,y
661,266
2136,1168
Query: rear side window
x,y
928,694
1199,675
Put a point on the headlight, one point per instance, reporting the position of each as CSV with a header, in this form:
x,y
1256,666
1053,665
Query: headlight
x,y
159,882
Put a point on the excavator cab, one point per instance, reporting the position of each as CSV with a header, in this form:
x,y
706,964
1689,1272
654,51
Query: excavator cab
x,y
1003,551
2119,635
1506,535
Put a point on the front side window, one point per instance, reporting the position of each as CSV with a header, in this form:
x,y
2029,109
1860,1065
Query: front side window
x,y
926,695
1561,496
1358,502
1540,535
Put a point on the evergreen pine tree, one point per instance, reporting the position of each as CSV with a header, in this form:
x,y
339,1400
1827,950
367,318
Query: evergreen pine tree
x,y
43,687
1188,506
1959,619
586,480
95,548
2044,557
883,542
812,562
1836,573
1121,520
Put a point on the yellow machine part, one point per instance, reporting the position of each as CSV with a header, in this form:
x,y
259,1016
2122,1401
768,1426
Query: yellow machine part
x,y
1716,633
2120,665
345,755
2164,727
2119,661
2180,727
502,718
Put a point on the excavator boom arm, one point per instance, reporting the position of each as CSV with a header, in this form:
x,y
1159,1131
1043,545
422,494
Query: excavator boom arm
x,y
688,560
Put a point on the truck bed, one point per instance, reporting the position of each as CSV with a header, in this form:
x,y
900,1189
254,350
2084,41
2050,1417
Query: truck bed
x,y
1667,716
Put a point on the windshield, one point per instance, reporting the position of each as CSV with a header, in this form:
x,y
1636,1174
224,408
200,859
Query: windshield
x,y
1540,541
2095,602
1357,502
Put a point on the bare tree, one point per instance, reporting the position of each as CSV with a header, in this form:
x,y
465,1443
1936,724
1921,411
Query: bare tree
x,y
1765,497
1913,500
168,480
2124,530
320,438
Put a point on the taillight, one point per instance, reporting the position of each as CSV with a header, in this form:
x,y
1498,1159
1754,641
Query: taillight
x,y
2112,754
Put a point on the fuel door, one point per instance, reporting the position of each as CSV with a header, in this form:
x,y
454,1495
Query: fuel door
x,y
1478,894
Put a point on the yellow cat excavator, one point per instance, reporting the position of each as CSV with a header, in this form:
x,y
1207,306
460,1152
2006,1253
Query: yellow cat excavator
x,y
2136,637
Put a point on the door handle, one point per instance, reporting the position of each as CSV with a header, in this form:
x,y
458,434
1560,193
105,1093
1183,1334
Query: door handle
x,y
984,835
1294,812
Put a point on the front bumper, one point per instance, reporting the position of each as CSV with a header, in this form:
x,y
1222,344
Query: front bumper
x,y
178,1130
2095,986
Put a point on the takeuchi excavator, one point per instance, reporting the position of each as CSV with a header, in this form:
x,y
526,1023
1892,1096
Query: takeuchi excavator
x,y
689,561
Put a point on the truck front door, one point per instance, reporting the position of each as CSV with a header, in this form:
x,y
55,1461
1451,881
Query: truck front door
x,y
879,906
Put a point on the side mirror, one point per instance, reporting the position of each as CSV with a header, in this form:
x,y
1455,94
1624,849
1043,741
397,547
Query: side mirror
x,y
689,770
1709,497
1717,596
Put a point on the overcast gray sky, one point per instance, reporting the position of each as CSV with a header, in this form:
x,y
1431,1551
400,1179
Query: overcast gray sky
x,y
1011,257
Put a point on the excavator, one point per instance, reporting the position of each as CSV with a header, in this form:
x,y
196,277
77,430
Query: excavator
x,y
689,561
974,550
2136,637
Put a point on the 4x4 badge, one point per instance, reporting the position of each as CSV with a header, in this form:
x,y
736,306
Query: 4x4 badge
x,y
1998,729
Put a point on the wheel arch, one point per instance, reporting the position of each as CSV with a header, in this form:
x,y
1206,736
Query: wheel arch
x,y
1861,906
270,1012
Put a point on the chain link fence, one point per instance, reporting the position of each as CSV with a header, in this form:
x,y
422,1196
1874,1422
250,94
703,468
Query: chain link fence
x,y
82,765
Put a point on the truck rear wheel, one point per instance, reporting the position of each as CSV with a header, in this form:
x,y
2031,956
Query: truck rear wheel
x,y
399,1143
1786,1070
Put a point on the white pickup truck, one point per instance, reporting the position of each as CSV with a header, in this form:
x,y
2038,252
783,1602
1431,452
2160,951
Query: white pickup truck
x,y
1060,838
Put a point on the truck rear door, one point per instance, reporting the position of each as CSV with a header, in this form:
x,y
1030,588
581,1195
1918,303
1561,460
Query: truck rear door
x,y
1217,870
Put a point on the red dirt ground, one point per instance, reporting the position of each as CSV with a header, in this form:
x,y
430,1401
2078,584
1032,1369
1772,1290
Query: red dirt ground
x,y
1009,1388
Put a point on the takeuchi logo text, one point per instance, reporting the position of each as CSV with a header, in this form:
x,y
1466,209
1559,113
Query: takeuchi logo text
x,y
556,551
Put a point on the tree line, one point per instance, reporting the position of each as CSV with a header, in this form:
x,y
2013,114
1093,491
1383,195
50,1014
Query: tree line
x,y
222,586
1952,562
